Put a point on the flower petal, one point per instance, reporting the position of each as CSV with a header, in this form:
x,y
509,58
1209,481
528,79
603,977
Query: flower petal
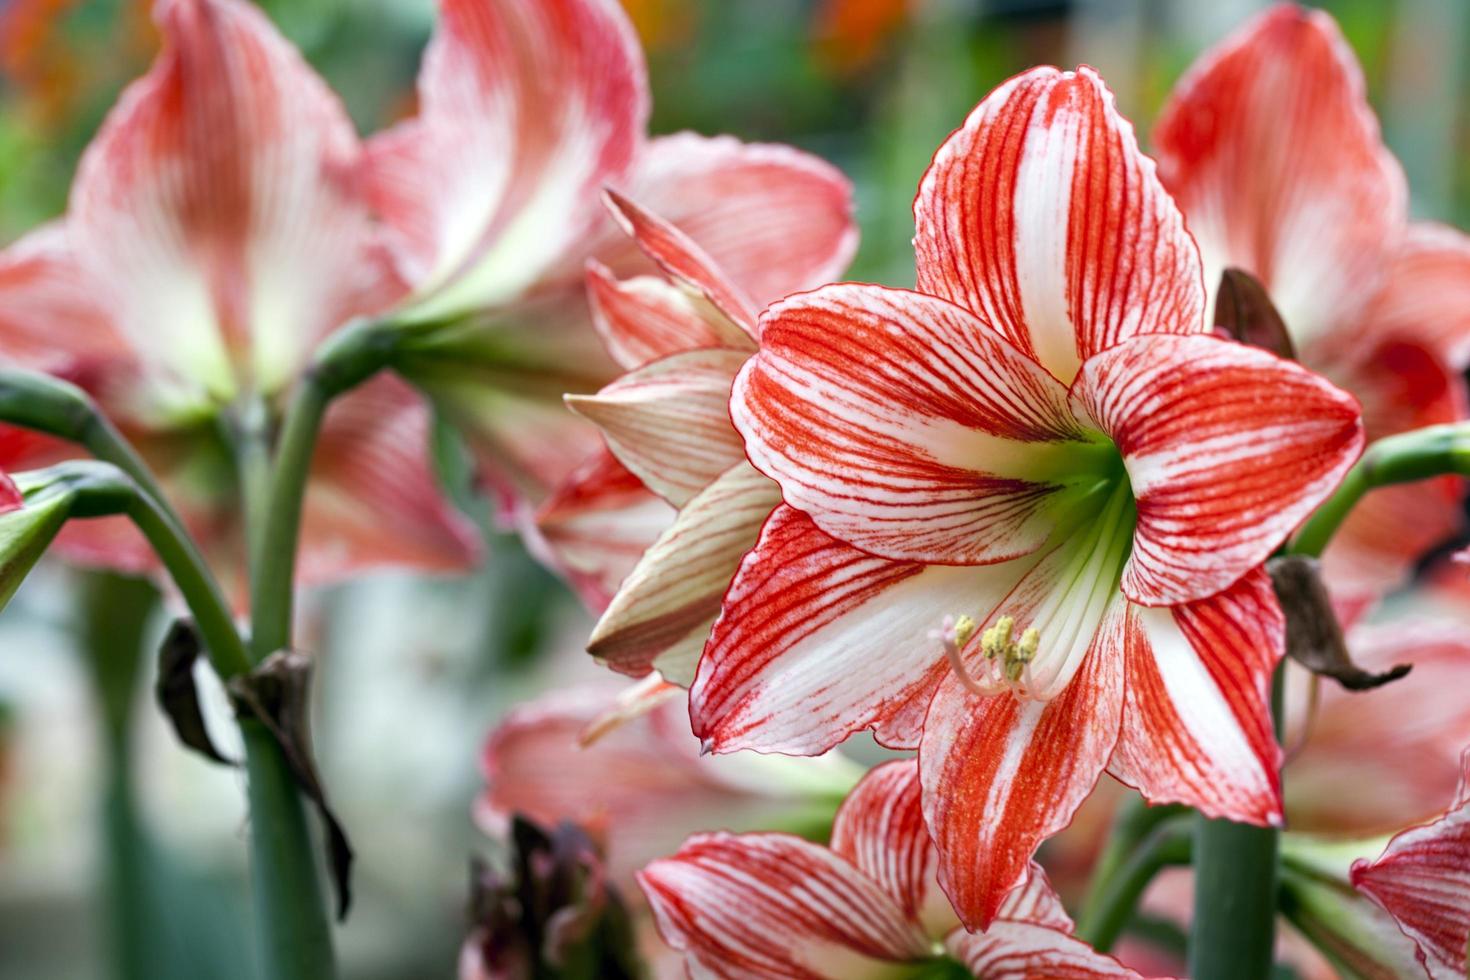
x,y
1001,774
880,828
1422,879
227,170
644,318
1404,738
774,219
1425,293
1041,215
1228,448
817,640
1272,152
50,315
905,427
775,905
663,611
527,107
1025,951
1197,703
669,421
594,529
641,787
373,498
681,259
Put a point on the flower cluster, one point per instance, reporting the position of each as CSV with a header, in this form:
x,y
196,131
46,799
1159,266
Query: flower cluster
x,y
1017,523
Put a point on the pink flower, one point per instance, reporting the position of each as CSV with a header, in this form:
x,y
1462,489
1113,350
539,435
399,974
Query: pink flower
x,y
1044,439
491,195
215,233
642,787
1274,155
1423,880
773,905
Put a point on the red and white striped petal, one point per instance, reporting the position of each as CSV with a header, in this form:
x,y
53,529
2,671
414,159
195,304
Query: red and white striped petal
x,y
51,317
663,611
669,421
373,499
228,171
1424,294
1042,216
817,640
772,905
1271,149
1002,774
644,318
1197,703
1423,880
1228,448
774,219
527,108
1026,951
596,526
906,427
880,828
1036,902
682,259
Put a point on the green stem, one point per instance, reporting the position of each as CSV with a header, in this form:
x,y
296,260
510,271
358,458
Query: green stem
x,y
274,541
116,610
1108,914
200,591
1236,867
345,360
1438,450
294,933
1132,823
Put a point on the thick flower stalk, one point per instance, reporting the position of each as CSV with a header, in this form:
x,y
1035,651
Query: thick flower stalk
x,y
1423,880
773,905
1043,439
1271,150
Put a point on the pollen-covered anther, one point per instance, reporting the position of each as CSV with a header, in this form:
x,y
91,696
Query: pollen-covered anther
x,y
953,633
1008,654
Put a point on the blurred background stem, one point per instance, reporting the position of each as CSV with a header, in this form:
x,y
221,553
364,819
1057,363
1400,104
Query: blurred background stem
x,y
115,614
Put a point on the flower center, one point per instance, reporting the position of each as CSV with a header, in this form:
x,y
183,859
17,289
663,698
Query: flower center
x,y
1035,639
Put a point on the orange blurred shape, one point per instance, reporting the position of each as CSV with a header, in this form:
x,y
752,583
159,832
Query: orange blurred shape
x,y
850,34
661,23
39,60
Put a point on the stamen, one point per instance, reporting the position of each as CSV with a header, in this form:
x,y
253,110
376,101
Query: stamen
x,y
953,634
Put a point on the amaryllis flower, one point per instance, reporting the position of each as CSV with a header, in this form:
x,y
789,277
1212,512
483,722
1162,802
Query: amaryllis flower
x,y
491,195
214,234
773,905
1045,446
1423,880
683,338
1274,156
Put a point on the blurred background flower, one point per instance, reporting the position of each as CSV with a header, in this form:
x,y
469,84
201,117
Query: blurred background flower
x,y
416,673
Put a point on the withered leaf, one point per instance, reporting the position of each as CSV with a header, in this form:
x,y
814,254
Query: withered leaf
x,y
278,694
176,693
1244,312
1313,635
